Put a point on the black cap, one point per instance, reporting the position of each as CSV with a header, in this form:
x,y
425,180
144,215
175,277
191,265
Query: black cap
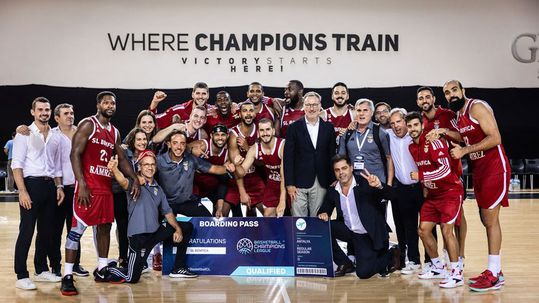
x,y
220,128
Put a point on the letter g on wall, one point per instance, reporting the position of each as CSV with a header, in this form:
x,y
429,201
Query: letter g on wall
x,y
517,51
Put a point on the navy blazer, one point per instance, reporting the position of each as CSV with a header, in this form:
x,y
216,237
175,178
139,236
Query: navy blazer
x,y
371,211
302,162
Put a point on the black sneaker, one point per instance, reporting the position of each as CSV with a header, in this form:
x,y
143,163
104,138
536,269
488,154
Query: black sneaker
x,y
182,273
104,275
80,271
68,287
57,272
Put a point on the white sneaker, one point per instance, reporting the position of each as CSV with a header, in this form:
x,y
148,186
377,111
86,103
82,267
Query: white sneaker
x,y
410,268
47,276
453,280
25,284
426,268
434,273
146,270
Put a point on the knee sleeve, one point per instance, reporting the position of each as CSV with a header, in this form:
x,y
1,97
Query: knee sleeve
x,y
73,237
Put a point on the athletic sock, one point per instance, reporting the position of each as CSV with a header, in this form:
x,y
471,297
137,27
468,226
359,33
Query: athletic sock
x,y
103,262
455,266
68,269
494,264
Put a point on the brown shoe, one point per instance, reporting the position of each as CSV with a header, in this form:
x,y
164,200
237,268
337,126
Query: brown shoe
x,y
344,269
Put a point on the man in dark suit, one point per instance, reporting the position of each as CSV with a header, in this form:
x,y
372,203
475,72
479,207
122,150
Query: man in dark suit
x,y
310,144
361,219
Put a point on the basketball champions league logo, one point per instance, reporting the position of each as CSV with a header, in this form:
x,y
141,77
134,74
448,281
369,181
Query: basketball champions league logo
x,y
244,246
258,52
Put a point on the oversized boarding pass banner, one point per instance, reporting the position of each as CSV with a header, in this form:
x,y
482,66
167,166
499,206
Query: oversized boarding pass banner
x,y
288,246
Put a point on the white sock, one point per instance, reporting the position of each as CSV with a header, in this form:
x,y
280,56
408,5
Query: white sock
x,y
494,264
437,262
455,266
103,262
68,269
461,261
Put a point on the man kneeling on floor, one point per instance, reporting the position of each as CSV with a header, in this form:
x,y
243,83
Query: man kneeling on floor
x,y
144,229
361,219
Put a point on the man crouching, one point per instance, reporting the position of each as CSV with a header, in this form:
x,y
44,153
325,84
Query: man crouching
x,y
144,229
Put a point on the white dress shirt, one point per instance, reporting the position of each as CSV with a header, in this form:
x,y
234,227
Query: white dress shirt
x,y
349,209
402,159
62,148
33,154
313,130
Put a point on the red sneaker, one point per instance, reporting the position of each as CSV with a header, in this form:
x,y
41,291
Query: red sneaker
x,y
157,262
486,282
500,278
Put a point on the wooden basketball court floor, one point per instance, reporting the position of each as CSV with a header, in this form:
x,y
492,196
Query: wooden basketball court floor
x,y
520,264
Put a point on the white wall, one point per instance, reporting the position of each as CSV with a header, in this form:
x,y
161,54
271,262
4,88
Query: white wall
x,y
65,43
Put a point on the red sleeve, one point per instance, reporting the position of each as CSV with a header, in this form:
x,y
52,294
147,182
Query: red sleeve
x,y
439,155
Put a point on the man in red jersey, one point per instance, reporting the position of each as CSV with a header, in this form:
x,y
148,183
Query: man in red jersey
x,y
270,152
223,115
215,151
193,128
250,188
443,201
263,109
94,143
200,95
438,122
340,114
292,106
490,169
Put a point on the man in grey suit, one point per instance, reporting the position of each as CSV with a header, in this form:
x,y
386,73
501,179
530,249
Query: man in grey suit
x,y
310,145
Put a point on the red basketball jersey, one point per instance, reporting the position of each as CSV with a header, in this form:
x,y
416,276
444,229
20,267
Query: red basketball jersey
x,y
486,162
264,112
96,156
339,122
444,118
206,183
229,121
288,117
433,162
272,161
192,137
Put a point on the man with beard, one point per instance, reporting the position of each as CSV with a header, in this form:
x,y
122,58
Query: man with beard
x,y
255,94
381,114
94,143
491,172
215,151
310,144
193,128
177,169
339,114
292,106
270,152
224,115
441,122
250,188
200,96
443,201
35,174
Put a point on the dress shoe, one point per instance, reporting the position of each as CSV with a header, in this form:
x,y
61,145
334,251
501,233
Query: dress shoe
x,y
344,269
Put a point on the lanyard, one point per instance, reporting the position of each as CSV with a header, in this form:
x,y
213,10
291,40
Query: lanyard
x,y
359,147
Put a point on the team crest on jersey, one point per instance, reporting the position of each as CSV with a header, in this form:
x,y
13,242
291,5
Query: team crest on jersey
x,y
440,153
436,124
186,165
426,148
370,138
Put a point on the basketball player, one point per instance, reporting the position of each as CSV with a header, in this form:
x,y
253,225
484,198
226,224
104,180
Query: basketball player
x,y
438,122
340,114
214,187
270,152
200,96
94,143
250,188
490,168
255,94
443,201
292,106
223,113
193,128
